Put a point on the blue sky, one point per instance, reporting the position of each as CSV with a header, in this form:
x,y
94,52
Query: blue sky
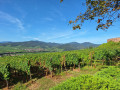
x,y
47,20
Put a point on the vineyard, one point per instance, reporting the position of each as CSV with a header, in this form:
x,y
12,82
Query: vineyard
x,y
31,65
106,79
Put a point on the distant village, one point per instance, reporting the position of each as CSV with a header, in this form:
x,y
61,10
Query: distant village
x,y
19,53
34,50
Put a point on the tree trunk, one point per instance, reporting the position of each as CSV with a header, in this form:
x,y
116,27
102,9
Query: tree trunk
x,y
51,74
91,63
74,66
61,68
65,68
94,66
7,84
102,62
15,72
46,72
27,77
79,66
71,68
30,76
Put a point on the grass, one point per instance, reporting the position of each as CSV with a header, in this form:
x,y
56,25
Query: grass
x,y
20,86
45,83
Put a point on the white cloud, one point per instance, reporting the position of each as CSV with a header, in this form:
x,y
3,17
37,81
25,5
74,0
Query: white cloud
x,y
35,38
12,19
58,35
32,38
66,34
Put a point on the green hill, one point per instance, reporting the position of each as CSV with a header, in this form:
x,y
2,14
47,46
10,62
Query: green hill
x,y
42,46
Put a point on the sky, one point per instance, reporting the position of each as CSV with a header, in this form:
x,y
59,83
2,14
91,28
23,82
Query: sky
x,y
48,21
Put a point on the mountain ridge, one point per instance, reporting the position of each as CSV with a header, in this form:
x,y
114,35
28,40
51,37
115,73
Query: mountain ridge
x,y
49,45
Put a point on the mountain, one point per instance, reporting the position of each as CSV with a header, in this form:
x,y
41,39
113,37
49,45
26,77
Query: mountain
x,y
30,44
77,46
48,45
88,44
5,41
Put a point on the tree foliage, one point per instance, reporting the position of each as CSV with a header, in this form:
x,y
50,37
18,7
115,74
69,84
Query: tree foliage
x,y
105,11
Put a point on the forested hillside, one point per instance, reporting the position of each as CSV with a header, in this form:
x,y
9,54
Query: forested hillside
x,y
42,46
